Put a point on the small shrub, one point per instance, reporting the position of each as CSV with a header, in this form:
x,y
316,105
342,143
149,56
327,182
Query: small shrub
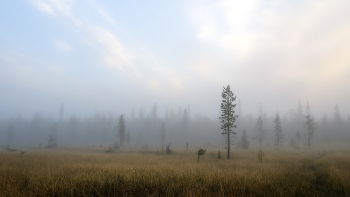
x,y
168,150
52,142
201,152
109,150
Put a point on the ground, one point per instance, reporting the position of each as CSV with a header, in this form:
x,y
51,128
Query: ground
x,y
136,172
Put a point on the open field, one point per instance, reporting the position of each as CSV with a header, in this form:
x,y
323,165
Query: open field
x,y
131,172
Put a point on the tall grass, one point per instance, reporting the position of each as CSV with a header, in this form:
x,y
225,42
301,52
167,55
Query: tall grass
x,y
91,172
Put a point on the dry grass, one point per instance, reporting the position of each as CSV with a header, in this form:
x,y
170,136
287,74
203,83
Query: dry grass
x,y
91,172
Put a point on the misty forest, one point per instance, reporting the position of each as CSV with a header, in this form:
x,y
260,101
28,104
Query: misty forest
x,y
179,127
174,98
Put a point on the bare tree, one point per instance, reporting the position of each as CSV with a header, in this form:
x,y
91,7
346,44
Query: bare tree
x,y
228,117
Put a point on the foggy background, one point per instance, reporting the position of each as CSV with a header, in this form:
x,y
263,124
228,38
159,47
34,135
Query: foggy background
x,y
101,59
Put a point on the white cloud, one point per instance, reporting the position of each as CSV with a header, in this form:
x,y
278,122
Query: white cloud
x,y
272,45
62,46
101,11
44,6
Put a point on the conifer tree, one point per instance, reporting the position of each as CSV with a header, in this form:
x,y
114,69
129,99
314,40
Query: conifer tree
x,y
228,117
260,130
244,141
310,124
278,131
121,130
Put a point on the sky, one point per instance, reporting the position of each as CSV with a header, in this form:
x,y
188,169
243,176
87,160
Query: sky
x,y
119,55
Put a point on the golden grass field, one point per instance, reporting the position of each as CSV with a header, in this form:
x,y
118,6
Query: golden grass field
x,y
131,172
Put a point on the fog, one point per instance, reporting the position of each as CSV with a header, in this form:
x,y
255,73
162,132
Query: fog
x,y
79,65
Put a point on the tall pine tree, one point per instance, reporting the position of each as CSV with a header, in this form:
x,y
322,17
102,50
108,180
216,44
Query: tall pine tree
x,y
228,117
310,124
259,128
278,131
121,130
244,141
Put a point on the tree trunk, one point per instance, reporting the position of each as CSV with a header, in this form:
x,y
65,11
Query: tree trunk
x,y
228,143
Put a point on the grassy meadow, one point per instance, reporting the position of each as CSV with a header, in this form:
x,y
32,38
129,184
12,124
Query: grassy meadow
x,y
133,172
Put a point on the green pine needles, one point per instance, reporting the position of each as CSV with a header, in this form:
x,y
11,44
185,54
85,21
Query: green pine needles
x,y
228,117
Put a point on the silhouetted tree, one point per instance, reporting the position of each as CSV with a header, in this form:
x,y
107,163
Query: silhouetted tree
x,y
260,130
52,142
162,133
310,124
121,130
201,152
244,141
278,131
228,117
168,150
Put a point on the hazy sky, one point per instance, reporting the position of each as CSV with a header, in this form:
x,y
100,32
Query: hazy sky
x,y
119,55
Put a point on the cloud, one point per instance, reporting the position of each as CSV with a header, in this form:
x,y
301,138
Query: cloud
x,y
62,46
101,11
99,39
109,47
273,45
43,6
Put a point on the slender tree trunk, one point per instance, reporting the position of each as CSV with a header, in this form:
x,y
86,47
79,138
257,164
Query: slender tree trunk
x,y
228,140
228,144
